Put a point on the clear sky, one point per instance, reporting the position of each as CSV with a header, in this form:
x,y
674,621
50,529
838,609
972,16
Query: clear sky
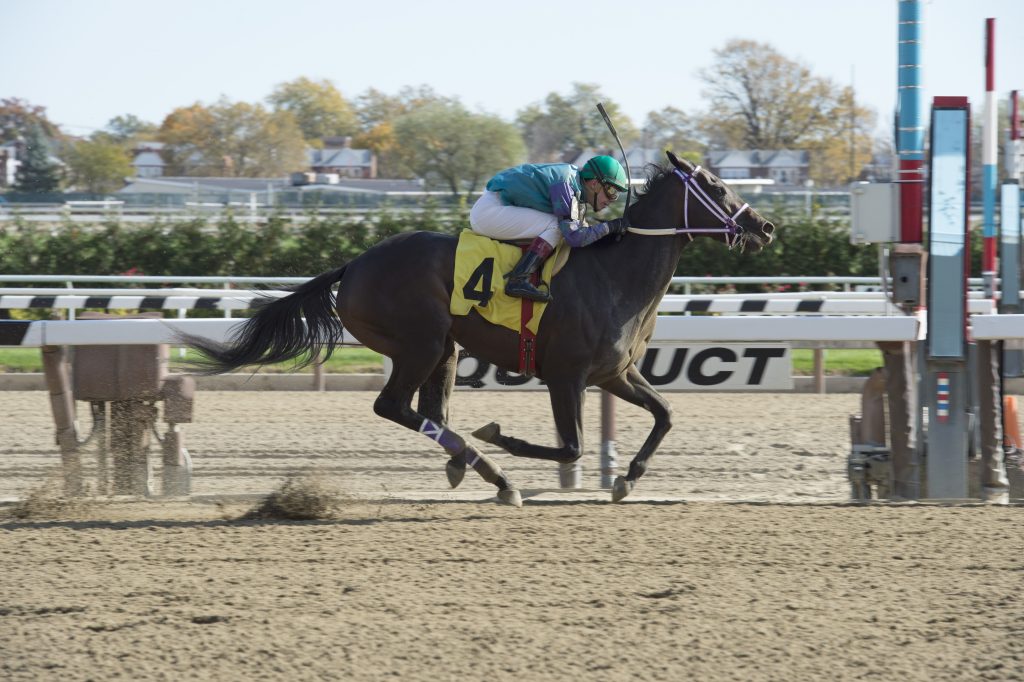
x,y
88,61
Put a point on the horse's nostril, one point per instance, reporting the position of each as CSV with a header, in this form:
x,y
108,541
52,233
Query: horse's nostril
x,y
769,228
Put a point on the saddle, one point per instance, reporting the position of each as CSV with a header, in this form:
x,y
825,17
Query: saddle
x,y
479,284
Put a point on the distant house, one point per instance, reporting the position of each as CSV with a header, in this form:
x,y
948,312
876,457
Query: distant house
x,y
147,160
8,163
783,167
339,158
879,169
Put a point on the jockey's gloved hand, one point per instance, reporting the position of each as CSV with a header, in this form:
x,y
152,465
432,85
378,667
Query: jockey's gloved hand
x,y
617,227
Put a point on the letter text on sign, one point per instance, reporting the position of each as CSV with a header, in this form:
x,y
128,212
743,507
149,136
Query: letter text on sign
x,y
708,367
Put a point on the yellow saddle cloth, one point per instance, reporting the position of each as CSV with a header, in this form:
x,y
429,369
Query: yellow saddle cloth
x,y
480,267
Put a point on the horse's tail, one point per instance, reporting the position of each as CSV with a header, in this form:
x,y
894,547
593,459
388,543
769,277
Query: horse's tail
x,y
277,333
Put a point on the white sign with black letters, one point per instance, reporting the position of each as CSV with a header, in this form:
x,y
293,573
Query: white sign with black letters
x,y
710,367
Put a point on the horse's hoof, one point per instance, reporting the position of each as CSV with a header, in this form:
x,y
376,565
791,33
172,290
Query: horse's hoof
x,y
488,433
455,470
621,488
510,496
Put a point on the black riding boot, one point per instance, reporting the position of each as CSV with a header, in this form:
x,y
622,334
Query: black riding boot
x,y
519,284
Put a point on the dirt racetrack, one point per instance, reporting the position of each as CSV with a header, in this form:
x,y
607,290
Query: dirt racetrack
x,y
758,571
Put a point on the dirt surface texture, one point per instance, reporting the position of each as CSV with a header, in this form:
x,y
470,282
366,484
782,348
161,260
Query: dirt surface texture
x,y
738,556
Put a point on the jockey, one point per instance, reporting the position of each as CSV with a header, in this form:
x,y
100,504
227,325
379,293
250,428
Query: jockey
x,y
547,202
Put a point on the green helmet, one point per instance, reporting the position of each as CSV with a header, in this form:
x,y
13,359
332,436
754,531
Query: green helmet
x,y
607,170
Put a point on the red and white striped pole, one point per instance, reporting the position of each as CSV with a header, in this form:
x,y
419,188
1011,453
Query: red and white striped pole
x,y
988,161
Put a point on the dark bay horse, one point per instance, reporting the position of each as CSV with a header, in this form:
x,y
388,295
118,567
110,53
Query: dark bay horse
x,y
394,299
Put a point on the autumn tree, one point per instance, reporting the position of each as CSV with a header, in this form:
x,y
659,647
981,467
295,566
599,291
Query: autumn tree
x,y
127,131
837,158
760,99
99,166
671,130
18,117
567,124
318,106
232,139
37,173
374,107
452,147
377,112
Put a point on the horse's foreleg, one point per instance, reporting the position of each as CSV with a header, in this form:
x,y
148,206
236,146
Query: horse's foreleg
x,y
633,388
395,403
434,405
567,407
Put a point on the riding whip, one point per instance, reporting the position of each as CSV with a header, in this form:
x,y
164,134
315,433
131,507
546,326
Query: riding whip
x,y
625,161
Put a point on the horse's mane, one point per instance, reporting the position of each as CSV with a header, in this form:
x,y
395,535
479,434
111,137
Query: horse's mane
x,y
655,176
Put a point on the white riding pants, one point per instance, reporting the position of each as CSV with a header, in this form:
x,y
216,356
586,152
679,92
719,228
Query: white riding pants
x,y
491,217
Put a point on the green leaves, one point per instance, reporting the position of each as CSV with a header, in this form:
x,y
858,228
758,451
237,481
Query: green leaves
x,y
99,166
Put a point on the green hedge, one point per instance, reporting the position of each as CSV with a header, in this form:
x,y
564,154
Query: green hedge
x,y
805,245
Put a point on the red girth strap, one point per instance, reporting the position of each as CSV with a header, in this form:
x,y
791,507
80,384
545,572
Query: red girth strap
x,y
527,339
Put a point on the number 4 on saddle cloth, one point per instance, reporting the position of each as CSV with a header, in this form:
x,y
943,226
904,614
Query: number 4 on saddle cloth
x,y
480,266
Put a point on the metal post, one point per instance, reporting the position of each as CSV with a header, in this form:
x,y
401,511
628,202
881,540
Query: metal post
x,y
947,298
995,486
1009,268
62,402
609,461
319,378
947,431
819,369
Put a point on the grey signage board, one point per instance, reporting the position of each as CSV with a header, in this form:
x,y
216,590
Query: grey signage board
x,y
947,234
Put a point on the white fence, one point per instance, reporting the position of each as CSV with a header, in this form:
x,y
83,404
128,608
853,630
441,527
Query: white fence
x,y
669,329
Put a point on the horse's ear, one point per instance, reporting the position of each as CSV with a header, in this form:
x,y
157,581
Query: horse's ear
x,y
681,164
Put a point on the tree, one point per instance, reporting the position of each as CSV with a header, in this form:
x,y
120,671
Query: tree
x,y
672,130
126,130
318,107
17,117
374,107
377,112
37,173
566,125
382,141
231,139
759,99
99,166
449,146
837,159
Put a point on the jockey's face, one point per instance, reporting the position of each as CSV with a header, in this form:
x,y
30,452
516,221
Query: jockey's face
x,y
595,194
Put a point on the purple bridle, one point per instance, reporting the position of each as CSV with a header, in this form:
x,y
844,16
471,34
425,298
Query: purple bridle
x,y
730,228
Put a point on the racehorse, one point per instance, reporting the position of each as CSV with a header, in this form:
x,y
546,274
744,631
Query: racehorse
x,y
394,298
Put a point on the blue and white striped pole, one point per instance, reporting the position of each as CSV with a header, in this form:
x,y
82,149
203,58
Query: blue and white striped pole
x,y
910,123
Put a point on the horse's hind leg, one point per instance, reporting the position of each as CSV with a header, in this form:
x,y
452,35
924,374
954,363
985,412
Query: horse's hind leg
x,y
434,405
567,408
633,388
409,372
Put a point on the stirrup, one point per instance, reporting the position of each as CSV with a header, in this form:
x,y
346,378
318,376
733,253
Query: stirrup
x,y
524,289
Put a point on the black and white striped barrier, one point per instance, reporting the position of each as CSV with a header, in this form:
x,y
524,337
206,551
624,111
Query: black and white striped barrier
x,y
226,299
126,299
818,305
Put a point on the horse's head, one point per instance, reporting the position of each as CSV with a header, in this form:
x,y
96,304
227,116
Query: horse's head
x,y
712,207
